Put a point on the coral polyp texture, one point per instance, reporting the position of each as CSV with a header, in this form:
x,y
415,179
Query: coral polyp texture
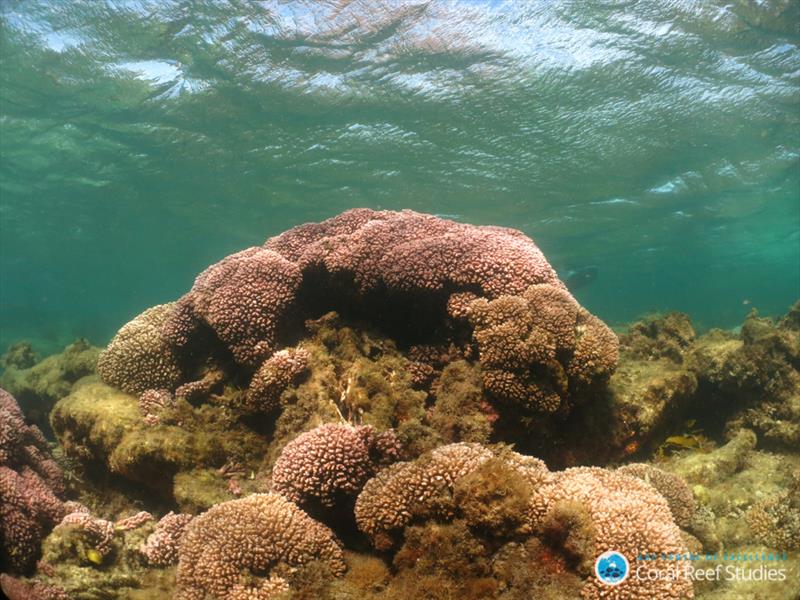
x,y
606,510
31,484
332,461
273,377
537,347
248,548
423,489
580,512
672,487
160,549
409,272
139,357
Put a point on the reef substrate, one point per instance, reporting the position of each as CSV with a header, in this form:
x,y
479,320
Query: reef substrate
x,y
392,405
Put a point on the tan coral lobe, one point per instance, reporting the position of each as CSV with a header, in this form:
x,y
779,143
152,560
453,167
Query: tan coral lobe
x,y
245,549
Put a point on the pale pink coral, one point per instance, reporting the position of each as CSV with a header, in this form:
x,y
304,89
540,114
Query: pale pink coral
x,y
161,547
30,485
28,510
539,349
419,488
247,297
624,514
331,461
99,533
242,298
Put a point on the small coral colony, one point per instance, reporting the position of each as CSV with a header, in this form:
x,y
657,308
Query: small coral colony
x,y
393,405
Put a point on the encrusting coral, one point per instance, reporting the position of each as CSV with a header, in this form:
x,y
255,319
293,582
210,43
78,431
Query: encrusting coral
x,y
775,520
247,549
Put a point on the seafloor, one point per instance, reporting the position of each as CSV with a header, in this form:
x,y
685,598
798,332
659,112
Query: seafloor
x,y
390,405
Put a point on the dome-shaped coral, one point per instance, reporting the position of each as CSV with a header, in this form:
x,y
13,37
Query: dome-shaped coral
x,y
675,490
331,460
614,512
139,357
424,488
246,548
273,377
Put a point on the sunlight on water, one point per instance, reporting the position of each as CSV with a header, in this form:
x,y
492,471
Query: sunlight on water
x,y
141,141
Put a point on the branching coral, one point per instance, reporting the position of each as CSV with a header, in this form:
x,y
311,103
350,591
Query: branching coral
x,y
245,549
331,461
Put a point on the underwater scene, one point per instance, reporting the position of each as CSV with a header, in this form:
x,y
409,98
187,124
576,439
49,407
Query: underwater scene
x,y
399,300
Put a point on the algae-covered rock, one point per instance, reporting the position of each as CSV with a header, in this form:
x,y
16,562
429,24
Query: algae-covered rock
x,y
72,560
101,425
754,377
353,376
651,392
197,490
39,385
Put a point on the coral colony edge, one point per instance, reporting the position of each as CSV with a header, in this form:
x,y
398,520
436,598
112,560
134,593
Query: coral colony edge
x,y
392,405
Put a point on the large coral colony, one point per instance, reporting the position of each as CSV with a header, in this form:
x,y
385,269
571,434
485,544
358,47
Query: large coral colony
x,y
393,405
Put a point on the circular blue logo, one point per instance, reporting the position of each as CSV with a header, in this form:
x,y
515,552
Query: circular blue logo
x,y
611,567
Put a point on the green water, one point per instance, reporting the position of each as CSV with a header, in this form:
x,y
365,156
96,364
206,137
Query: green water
x,y
141,141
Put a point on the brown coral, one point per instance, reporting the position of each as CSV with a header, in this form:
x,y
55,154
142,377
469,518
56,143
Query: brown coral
x,y
424,488
775,520
139,357
273,377
537,349
245,549
330,461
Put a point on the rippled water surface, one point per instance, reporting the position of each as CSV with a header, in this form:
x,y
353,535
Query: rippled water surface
x,y
656,141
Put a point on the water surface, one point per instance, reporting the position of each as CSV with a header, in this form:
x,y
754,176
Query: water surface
x,y
141,141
